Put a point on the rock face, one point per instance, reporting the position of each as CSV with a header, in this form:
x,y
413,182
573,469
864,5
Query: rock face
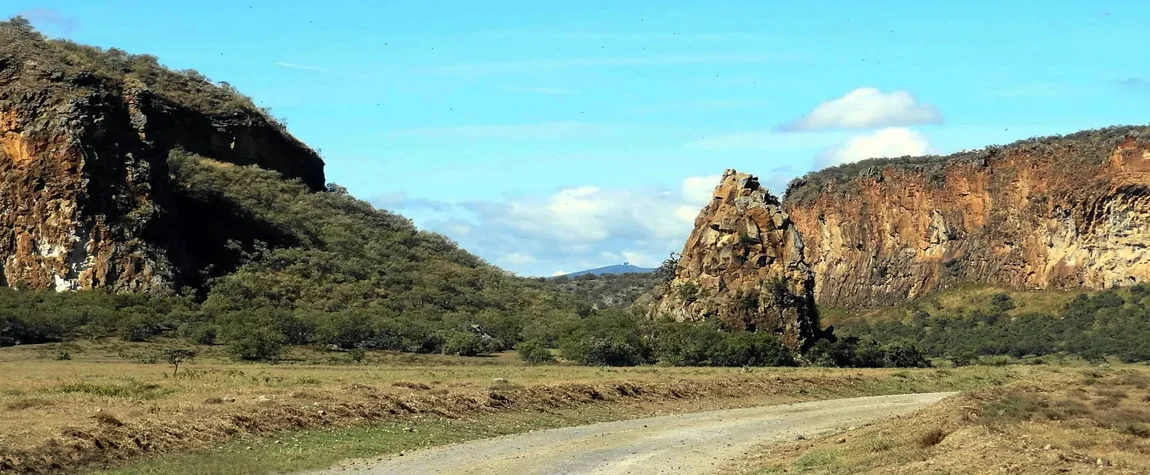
x,y
85,197
743,264
1057,212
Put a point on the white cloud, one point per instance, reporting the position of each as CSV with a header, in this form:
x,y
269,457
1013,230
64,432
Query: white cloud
x,y
578,227
519,258
865,108
699,189
640,259
888,142
300,67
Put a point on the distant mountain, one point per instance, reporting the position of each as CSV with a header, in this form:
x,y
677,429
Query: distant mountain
x,y
624,268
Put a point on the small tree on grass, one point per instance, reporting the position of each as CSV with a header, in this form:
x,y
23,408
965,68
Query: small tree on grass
x,y
176,356
357,355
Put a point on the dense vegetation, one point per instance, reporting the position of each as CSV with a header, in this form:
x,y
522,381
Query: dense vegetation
x,y
1112,323
323,269
608,290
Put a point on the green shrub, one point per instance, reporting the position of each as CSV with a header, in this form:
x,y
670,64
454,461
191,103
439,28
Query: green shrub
x,y
257,345
609,352
201,334
470,344
534,352
357,355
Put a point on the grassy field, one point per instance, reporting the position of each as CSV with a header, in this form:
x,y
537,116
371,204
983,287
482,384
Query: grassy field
x,y
962,298
1071,420
89,404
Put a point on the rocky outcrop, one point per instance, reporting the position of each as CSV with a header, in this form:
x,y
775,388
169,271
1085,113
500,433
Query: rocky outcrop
x,y
1061,212
743,265
85,197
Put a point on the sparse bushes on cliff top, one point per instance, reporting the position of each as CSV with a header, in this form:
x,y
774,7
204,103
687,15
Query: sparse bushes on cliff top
x,y
1089,147
78,63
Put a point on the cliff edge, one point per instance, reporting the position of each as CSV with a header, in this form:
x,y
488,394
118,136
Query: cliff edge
x,y
1047,213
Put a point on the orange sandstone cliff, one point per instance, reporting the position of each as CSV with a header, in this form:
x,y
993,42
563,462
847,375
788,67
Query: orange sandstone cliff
x,y
85,197
1058,212
1049,213
743,265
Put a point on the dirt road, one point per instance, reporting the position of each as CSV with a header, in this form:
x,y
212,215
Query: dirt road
x,y
681,444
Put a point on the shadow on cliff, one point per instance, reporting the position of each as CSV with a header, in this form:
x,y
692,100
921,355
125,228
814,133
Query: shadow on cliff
x,y
218,236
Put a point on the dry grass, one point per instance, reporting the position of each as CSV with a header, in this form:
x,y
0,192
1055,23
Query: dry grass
x,y
1038,424
66,407
931,438
958,299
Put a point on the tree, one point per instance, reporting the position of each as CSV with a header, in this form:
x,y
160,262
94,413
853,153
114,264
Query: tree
x,y
533,352
357,355
175,356
666,271
20,23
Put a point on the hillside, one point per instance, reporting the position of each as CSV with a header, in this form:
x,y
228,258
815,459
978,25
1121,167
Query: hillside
x,y
608,290
84,138
611,270
1046,213
204,217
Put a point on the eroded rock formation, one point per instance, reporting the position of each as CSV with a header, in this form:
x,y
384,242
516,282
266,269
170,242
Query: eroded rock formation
x,y
1060,212
743,264
85,198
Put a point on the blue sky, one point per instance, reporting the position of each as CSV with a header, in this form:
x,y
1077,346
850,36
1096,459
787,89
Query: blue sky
x,y
550,137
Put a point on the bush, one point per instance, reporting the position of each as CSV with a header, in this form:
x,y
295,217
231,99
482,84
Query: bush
x,y
357,355
470,344
1001,302
610,352
534,352
754,349
853,352
903,354
257,345
201,334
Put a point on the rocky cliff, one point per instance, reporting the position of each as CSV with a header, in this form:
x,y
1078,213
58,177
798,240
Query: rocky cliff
x,y
85,196
1058,212
743,264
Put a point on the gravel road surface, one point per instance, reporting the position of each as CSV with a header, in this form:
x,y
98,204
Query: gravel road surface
x,y
682,444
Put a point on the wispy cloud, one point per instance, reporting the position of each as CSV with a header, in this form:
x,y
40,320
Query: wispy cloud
x,y
56,19
530,66
762,141
1137,84
299,66
400,200
551,91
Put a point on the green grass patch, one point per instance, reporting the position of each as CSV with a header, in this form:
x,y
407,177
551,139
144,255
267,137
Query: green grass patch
x,y
819,459
134,390
321,448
